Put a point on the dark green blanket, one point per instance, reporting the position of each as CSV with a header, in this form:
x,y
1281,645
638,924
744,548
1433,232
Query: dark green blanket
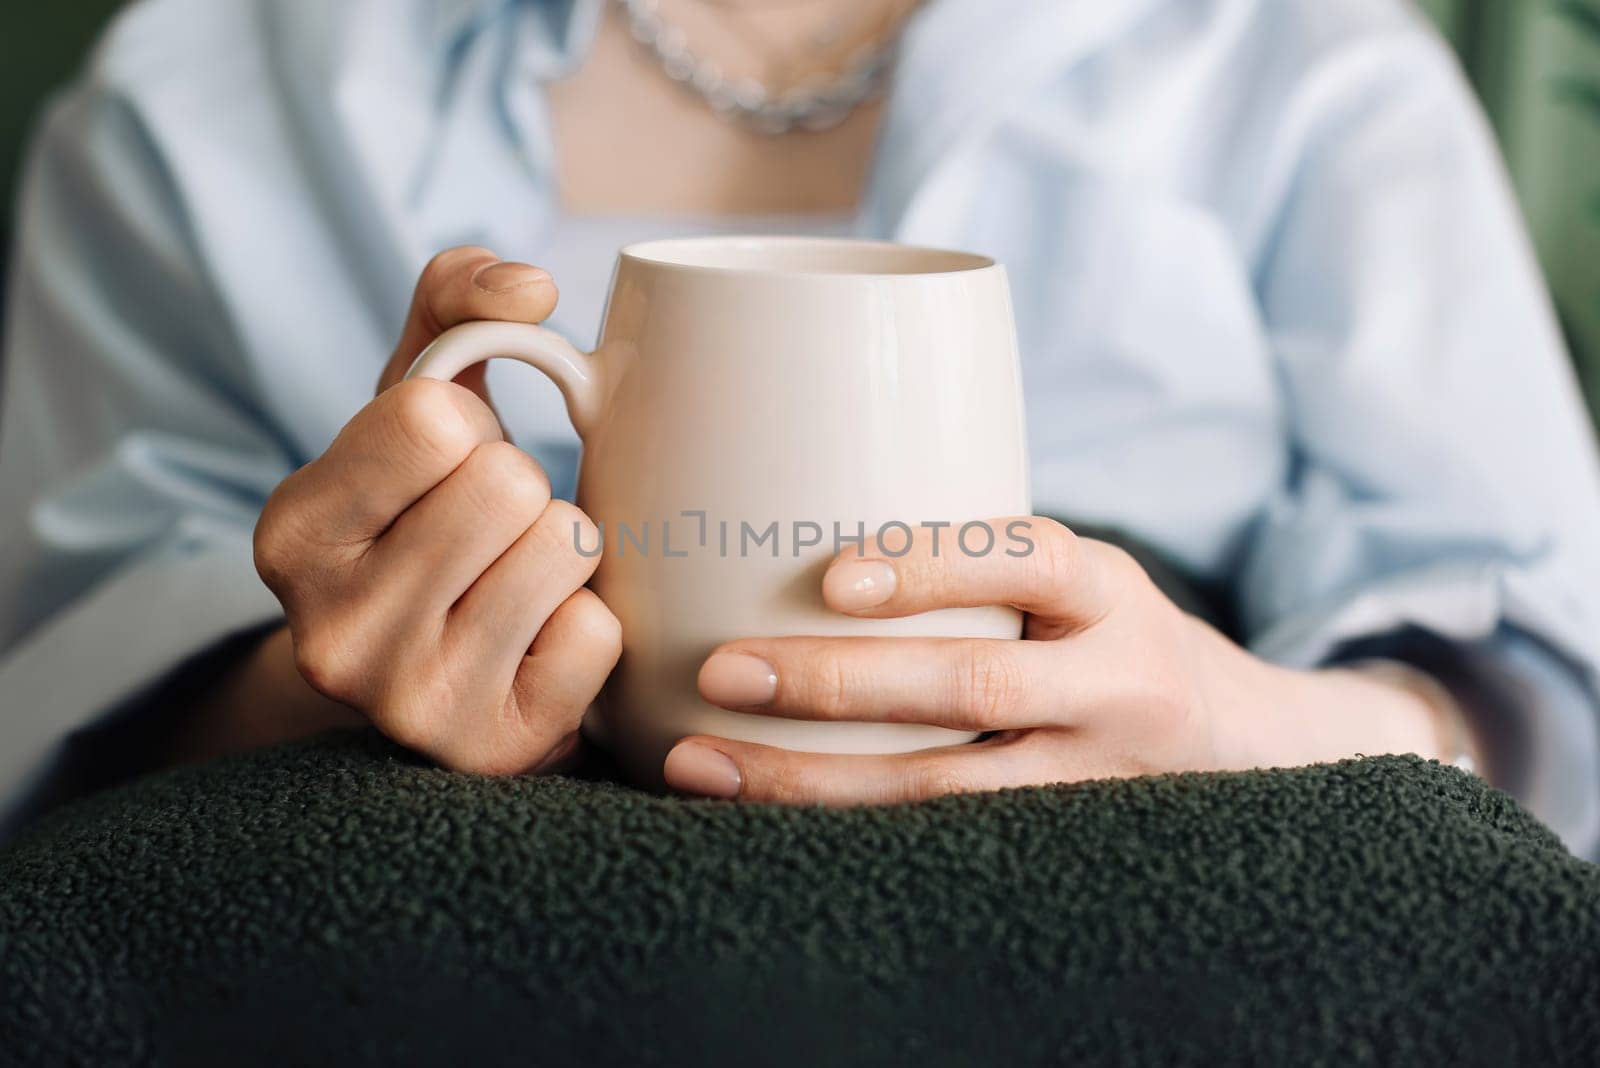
x,y
339,903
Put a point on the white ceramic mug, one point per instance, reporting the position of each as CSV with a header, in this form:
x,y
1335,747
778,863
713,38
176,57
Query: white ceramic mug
x,y
742,382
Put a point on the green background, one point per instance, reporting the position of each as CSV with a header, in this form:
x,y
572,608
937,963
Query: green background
x,y
1536,64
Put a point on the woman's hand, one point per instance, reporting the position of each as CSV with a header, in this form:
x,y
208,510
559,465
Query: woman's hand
x,y
429,580
1111,680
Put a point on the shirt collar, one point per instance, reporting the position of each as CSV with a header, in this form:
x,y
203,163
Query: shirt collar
x,y
565,27
962,64
356,91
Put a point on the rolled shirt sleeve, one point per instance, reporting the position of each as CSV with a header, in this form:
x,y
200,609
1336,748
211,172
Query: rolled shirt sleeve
x,y
135,455
1444,474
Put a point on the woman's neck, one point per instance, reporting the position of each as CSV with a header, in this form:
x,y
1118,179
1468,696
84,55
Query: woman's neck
x,y
628,140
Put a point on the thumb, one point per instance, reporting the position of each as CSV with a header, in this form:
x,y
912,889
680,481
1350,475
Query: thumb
x,y
462,285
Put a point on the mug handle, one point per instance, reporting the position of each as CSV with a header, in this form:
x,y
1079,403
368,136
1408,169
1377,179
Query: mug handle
x,y
575,373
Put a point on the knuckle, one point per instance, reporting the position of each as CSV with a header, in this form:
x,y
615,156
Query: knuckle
x,y
591,622
533,720
991,685
323,661
1056,555
269,546
561,529
537,702
408,706
827,683
774,777
504,480
934,778
302,533
289,542
425,405
406,722
562,516
922,571
433,421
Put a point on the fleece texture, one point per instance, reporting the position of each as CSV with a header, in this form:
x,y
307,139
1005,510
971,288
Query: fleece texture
x,y
337,902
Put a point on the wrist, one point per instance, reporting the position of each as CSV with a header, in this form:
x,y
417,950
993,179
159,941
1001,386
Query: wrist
x,y
260,700
1267,715
1247,703
1456,744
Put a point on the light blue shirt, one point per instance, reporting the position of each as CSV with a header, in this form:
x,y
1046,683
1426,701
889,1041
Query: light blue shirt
x,y
1278,315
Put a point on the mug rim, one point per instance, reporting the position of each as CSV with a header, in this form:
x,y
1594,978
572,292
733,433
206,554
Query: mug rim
x,y
677,254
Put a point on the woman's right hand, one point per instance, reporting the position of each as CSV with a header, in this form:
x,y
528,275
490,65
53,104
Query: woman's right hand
x,y
429,579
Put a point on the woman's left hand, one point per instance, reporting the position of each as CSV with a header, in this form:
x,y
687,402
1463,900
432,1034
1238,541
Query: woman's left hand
x,y
1111,679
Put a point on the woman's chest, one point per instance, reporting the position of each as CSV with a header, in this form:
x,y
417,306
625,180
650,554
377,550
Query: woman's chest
x,y
1152,390
1152,399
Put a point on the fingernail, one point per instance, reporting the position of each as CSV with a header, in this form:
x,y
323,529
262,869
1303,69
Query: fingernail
x,y
699,769
852,585
563,749
737,680
502,276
